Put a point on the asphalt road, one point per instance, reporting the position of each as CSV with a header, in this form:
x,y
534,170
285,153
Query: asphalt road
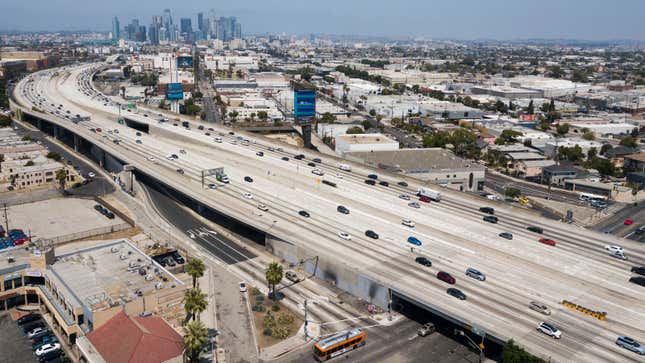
x,y
614,224
16,348
398,343
499,183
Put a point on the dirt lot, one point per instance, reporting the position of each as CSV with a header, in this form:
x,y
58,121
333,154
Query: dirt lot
x,y
274,317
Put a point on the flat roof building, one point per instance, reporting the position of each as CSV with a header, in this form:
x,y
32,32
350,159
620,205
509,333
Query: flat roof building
x,y
364,142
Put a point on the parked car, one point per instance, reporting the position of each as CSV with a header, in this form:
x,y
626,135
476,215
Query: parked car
x,y
630,344
628,222
423,261
178,258
456,293
446,277
549,330
371,234
507,235
426,329
476,274
539,307
28,319
47,348
36,331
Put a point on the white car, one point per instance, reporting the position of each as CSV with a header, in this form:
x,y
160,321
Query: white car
x,y
614,249
317,172
345,236
248,195
404,197
339,176
407,222
47,348
549,330
242,286
151,159
91,174
35,331
263,207
218,140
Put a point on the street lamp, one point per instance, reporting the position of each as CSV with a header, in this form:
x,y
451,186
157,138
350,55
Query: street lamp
x,y
479,346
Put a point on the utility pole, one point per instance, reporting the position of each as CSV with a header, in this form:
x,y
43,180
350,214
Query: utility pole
x,y
306,323
6,219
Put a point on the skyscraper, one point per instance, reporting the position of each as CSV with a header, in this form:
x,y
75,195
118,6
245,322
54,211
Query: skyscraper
x,y
186,26
116,28
200,22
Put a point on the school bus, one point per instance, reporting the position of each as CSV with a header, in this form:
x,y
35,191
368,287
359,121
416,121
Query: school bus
x,y
339,343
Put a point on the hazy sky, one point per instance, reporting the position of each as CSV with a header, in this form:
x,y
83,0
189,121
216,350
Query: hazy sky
x,y
463,19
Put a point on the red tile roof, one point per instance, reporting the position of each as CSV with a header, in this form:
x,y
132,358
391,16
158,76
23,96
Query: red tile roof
x,y
136,340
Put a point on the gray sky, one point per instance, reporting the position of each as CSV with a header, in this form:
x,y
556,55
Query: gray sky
x,y
462,19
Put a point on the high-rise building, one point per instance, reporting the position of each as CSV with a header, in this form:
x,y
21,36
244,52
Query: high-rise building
x,y
186,26
238,31
200,22
116,28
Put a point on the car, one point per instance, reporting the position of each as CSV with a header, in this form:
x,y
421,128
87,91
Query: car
x,y
259,153
407,222
384,183
414,205
138,133
344,235
317,172
218,140
415,241
535,229
539,307
639,270
109,215
507,235
35,331
313,165
248,179
178,258
28,319
402,183
446,277
91,175
425,199
371,234
404,196
639,230
618,255
476,274
370,182
316,160
212,186
299,157
456,293
50,338
342,209
248,195
547,241
285,158
242,286
614,248
292,276
372,176
630,344
139,141
180,171
637,280
549,330
200,127
426,329
628,222
304,213
47,348
490,219
487,210
423,261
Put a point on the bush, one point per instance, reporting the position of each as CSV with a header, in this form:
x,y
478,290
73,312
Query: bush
x,y
255,291
259,298
275,307
280,332
286,318
267,331
515,354
259,308
268,321
54,156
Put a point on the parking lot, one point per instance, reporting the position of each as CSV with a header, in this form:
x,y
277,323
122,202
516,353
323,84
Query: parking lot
x,y
16,348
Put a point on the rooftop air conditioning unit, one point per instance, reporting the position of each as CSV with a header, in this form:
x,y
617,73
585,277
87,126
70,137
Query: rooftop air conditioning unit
x,y
123,257
149,277
114,249
159,285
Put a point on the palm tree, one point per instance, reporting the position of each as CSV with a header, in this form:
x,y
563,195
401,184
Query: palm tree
x,y
194,302
195,268
195,339
274,275
61,177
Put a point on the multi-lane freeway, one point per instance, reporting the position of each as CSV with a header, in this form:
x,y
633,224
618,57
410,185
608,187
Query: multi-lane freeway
x,y
452,232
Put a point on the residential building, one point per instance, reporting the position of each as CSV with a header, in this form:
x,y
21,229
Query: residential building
x,y
635,162
618,153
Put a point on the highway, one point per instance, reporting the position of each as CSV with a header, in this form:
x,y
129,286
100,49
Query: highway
x,y
453,234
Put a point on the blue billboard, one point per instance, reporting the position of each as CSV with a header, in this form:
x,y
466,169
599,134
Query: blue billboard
x,y
174,92
304,104
185,62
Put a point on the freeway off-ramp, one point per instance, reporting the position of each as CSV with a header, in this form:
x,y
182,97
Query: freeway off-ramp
x,y
453,234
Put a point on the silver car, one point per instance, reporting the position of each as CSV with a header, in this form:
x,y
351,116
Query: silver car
x,y
471,272
540,307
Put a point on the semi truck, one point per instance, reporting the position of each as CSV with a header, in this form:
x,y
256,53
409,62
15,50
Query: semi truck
x,y
432,194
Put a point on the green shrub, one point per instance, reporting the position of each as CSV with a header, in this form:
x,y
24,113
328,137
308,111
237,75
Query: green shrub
x,y
286,318
275,307
267,331
280,332
255,291
259,308
268,321
259,298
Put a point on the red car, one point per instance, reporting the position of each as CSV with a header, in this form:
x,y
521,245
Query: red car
x,y
628,222
444,276
547,241
424,199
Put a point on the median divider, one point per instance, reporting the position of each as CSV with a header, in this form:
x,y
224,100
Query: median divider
x,y
600,315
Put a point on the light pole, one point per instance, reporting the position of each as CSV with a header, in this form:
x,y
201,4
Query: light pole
x,y
478,346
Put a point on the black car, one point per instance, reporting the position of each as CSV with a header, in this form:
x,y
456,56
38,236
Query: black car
x,y
535,229
402,183
259,153
373,176
371,234
639,270
299,157
370,182
110,215
285,158
487,210
28,319
423,261
317,160
384,183
178,258
638,280
490,219
312,165
231,133
304,213
99,208
180,171
248,179
456,293
342,209
200,127
507,235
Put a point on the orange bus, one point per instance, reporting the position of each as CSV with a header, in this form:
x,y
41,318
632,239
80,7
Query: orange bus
x,y
339,343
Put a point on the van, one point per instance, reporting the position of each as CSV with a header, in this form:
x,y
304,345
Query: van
x,y
345,167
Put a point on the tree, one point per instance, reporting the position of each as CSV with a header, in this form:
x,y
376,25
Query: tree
x,y
327,118
30,163
516,354
628,141
5,121
592,153
562,129
262,115
195,340
530,109
195,268
508,137
372,112
366,124
61,177
512,192
588,136
194,302
274,275
54,156
604,148
355,130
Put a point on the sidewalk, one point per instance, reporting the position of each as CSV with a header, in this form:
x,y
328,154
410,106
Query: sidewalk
x,y
295,342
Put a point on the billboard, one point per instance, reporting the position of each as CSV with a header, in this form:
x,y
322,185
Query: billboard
x,y
185,61
304,105
174,92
